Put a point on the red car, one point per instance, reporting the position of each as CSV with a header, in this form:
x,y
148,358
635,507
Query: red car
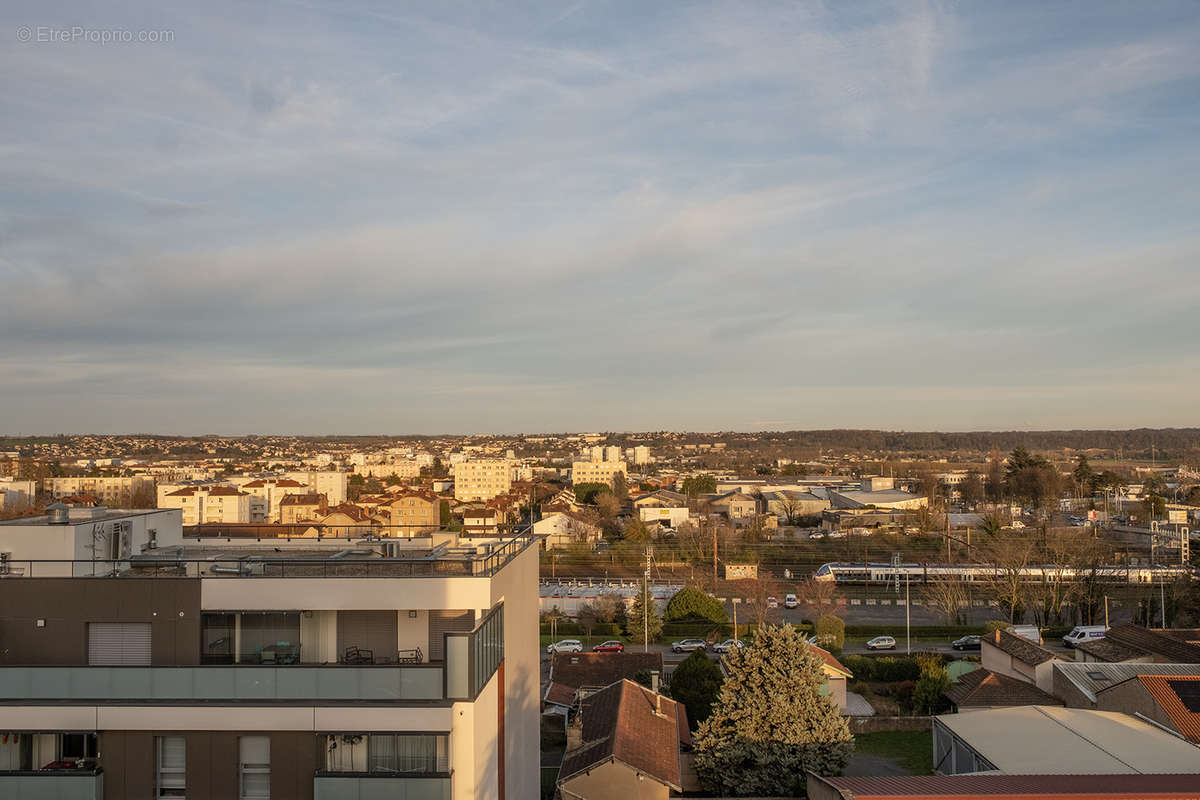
x,y
609,647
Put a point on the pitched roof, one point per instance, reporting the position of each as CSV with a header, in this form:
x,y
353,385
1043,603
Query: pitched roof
x,y
559,694
629,723
1155,642
579,670
1179,698
830,661
1101,787
1105,650
1020,648
303,500
984,688
1091,677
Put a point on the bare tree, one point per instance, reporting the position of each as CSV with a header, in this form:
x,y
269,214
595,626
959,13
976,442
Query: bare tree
x,y
816,596
1009,557
949,597
759,589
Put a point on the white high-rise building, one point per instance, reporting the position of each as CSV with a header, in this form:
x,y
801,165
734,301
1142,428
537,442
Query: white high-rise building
x,y
482,479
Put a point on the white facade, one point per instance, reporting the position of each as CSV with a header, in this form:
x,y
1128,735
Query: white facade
x,y
200,505
331,483
671,517
482,479
596,471
93,537
112,491
16,495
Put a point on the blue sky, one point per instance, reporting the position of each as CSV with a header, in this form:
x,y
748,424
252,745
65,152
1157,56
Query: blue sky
x,y
382,217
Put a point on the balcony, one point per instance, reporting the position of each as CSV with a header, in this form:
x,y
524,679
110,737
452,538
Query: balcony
x,y
64,784
358,786
302,684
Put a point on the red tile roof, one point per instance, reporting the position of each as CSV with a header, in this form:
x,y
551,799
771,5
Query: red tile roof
x,y
1156,642
983,688
580,670
628,723
1165,690
830,661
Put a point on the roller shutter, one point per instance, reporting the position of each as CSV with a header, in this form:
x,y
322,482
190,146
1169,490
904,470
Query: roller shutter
x,y
442,621
368,630
119,643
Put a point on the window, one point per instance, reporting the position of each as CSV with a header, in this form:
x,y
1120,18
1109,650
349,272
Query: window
x,y
386,753
264,634
216,638
255,766
172,766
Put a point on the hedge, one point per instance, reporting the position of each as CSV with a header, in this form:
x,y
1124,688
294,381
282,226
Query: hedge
x,y
575,629
887,669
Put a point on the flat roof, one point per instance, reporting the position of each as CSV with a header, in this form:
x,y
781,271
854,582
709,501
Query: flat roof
x,y
101,515
1052,740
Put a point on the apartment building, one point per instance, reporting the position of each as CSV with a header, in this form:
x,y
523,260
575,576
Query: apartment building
x,y
596,471
16,494
481,479
331,483
267,493
112,491
304,670
405,468
413,512
302,508
201,504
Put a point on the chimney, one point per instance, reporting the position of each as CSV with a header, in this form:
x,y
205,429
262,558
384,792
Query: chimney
x,y
654,678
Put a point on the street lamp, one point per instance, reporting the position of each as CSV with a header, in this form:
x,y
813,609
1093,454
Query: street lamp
x,y
735,601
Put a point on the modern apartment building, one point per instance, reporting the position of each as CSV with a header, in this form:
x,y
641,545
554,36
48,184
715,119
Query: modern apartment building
x,y
596,471
16,494
331,483
481,479
267,493
202,504
356,668
112,491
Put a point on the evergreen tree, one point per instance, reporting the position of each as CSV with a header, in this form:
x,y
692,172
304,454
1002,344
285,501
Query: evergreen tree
x,y
771,723
642,619
930,690
696,682
691,604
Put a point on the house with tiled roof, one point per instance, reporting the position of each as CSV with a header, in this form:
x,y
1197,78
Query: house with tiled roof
x,y
297,508
1172,701
836,676
1131,642
561,529
627,742
575,675
983,689
1005,653
1079,684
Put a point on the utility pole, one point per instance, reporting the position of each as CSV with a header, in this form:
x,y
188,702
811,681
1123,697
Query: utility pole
x,y
907,619
714,527
1162,601
735,601
646,603
1106,612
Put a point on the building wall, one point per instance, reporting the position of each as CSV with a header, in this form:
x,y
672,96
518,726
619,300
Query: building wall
x,y
517,586
109,490
170,605
614,780
130,763
596,471
1068,692
481,479
1131,697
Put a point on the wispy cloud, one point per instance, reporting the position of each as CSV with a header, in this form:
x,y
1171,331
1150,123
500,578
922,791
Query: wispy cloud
x,y
331,217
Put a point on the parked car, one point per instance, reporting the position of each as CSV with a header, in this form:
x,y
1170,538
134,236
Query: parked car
x,y
611,646
565,646
688,646
772,602
789,601
969,642
727,645
1082,633
882,643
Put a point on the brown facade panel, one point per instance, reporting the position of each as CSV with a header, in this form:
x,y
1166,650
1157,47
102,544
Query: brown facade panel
x,y
130,763
67,605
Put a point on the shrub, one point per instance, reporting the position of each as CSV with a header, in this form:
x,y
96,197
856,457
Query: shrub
x,y
831,632
690,604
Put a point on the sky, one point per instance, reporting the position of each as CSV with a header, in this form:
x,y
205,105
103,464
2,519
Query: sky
x,y
357,217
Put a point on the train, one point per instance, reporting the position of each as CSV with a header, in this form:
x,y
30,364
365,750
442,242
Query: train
x,y
922,573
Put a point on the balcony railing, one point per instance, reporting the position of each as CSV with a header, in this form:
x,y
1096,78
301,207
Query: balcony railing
x,y
56,784
357,786
463,561
240,684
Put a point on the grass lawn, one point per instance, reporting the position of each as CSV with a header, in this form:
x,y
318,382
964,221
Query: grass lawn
x,y
913,750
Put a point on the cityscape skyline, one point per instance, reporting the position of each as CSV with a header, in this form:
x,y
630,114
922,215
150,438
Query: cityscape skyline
x,y
359,218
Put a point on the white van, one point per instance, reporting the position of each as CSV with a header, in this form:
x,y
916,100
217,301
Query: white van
x,y
1030,632
1081,633
789,601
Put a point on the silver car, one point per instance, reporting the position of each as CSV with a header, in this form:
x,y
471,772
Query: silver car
x,y
565,646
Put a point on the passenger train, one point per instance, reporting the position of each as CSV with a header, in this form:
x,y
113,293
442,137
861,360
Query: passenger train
x,y
921,573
